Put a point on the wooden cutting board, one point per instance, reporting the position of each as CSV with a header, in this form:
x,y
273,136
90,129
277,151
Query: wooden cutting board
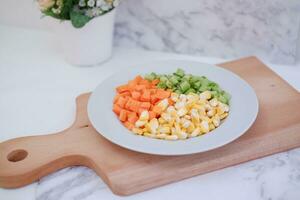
x,y
277,128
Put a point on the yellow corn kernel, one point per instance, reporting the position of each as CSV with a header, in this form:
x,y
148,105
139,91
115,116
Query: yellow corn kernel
x,y
165,130
161,121
150,135
171,137
216,120
182,135
211,113
211,126
204,127
191,128
137,131
161,136
220,110
205,95
223,116
195,133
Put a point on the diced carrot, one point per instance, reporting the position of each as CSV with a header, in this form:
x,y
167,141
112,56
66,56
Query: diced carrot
x,y
135,95
155,82
154,99
162,94
171,103
157,110
146,105
117,109
128,125
144,82
135,105
122,88
152,115
123,115
140,87
116,98
138,79
146,96
132,117
125,94
129,103
121,102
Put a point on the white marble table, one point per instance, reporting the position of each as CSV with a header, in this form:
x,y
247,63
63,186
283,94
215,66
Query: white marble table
x,y
37,97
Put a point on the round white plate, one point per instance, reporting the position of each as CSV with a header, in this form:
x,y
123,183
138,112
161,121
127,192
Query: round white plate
x,y
243,109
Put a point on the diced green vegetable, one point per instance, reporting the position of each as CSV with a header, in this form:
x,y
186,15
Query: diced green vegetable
x,y
182,83
179,72
184,86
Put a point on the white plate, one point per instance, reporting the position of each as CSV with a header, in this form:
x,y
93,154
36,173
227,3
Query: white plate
x,y
243,110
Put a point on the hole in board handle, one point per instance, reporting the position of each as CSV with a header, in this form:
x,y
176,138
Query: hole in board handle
x,y
17,155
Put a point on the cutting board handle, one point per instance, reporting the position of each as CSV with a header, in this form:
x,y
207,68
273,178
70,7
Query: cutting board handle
x,y
24,160
27,159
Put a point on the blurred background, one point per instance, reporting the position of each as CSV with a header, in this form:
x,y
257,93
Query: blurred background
x,y
226,29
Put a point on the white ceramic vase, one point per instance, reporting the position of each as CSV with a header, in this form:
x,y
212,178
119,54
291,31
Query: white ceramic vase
x,y
89,45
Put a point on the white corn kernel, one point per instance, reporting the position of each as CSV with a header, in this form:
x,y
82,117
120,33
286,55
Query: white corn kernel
x,y
182,135
144,116
181,112
216,121
195,133
140,123
163,104
213,102
153,124
178,105
205,95
174,97
211,113
161,136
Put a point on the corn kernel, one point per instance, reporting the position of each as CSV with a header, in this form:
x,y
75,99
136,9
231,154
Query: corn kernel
x,y
137,131
171,137
140,123
144,116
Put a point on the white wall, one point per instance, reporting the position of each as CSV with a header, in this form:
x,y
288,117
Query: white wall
x,y
227,29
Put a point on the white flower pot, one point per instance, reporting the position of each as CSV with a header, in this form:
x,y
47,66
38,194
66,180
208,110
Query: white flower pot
x,y
89,45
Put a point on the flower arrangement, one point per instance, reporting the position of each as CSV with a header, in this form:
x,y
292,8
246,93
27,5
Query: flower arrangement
x,y
79,12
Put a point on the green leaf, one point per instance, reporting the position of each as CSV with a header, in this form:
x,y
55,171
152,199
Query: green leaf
x,y
79,19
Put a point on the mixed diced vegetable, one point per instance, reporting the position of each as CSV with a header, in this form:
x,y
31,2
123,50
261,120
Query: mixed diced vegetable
x,y
171,107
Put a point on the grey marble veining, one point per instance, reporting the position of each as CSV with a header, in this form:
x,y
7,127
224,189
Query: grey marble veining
x,y
226,29
275,177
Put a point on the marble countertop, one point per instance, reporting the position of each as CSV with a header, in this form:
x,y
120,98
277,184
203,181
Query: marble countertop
x,y
37,97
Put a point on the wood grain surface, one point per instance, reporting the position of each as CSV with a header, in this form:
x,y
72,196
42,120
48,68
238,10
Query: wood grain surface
x,y
276,129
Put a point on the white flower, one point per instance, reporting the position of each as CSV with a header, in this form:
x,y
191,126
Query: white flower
x,y
116,3
106,7
89,13
96,12
45,4
82,3
99,3
91,3
55,10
